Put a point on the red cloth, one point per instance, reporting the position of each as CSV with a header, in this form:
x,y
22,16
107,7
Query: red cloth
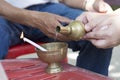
x,y
34,69
21,49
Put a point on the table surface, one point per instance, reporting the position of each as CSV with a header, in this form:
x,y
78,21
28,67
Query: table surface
x,y
34,69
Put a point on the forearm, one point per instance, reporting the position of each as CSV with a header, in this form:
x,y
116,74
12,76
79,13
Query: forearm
x,y
75,3
12,13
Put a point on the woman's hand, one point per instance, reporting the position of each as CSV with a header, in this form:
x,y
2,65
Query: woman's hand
x,y
105,34
102,30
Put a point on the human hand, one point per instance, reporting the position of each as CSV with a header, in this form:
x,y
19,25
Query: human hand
x,y
104,33
98,6
86,17
47,23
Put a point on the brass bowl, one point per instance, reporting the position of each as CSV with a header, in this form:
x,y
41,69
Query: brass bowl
x,y
56,52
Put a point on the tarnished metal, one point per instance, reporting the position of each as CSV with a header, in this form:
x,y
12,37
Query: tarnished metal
x,y
56,52
75,30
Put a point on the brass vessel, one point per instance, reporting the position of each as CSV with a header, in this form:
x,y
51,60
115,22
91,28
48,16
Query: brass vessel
x,y
75,30
56,52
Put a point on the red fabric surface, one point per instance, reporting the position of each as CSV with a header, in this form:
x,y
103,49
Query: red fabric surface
x,y
34,69
21,49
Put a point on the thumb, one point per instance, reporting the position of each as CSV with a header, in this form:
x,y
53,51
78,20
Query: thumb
x,y
100,43
63,19
83,18
90,26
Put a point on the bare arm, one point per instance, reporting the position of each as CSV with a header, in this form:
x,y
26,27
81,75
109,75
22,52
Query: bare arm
x,y
12,13
44,21
75,3
89,5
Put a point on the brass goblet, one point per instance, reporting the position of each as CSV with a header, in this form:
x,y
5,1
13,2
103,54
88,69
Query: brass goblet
x,y
56,52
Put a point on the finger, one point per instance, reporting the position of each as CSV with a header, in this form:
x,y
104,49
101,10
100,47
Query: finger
x,y
87,19
89,26
63,19
91,20
90,35
83,18
95,35
100,34
105,27
102,43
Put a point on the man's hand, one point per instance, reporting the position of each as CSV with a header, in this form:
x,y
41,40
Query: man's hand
x,y
47,23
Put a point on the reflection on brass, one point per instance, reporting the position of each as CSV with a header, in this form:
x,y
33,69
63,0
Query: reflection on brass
x,y
56,52
75,30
